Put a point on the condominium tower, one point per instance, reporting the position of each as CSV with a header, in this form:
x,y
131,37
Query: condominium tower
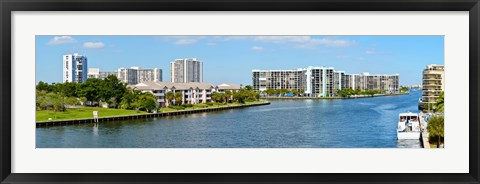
x,y
96,73
321,81
74,68
186,70
433,84
135,75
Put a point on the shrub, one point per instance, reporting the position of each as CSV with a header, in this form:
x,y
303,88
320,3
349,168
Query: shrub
x,y
187,105
177,107
209,103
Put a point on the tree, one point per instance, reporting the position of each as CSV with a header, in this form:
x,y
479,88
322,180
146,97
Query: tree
x,y
436,128
57,101
228,95
283,91
129,99
111,87
169,96
69,89
270,91
439,102
90,89
302,91
71,101
404,89
295,92
248,87
43,86
357,91
178,97
146,102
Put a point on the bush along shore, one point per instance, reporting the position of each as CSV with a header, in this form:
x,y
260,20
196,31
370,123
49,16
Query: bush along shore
x,y
331,97
339,94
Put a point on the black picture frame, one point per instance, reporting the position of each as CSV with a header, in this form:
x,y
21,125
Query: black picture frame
x,y
8,6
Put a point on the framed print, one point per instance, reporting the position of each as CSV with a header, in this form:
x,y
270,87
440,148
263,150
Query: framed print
x,y
239,92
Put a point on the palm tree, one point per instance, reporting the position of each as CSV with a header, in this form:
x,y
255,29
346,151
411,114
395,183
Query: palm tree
x,y
435,128
178,97
439,102
228,95
169,96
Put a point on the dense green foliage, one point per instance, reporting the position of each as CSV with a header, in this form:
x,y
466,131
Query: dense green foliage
x,y
439,102
435,128
241,96
347,92
92,92
404,89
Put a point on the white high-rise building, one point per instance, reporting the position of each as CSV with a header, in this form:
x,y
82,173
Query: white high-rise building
x,y
135,75
75,68
186,70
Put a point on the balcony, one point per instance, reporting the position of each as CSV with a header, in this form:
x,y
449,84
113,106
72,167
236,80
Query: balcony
x,y
159,94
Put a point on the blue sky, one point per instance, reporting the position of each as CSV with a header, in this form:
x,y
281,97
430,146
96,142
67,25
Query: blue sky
x,y
231,58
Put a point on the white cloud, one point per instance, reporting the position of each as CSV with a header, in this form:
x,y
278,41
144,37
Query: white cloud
x,y
211,44
93,45
61,40
185,41
257,48
370,51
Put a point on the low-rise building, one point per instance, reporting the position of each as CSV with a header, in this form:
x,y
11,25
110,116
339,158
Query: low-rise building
x,y
192,92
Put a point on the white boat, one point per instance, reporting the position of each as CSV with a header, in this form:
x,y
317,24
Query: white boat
x,y
408,126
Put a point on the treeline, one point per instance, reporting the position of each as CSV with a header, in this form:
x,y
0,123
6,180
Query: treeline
x,y
93,92
404,89
347,92
284,91
241,96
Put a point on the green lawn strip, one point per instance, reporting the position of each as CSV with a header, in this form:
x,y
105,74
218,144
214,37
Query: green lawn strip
x,y
81,113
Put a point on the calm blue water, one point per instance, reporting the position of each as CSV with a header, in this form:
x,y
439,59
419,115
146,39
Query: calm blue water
x,y
341,123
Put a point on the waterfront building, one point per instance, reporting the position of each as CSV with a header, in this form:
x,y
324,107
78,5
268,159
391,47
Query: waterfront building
x,y
96,73
192,92
186,70
75,68
322,81
367,81
433,84
278,79
135,75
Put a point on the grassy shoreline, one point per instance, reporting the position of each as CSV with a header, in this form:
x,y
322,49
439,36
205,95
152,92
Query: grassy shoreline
x,y
87,112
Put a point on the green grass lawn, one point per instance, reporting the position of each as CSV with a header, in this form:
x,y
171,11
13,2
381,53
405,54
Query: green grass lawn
x,y
87,112
80,113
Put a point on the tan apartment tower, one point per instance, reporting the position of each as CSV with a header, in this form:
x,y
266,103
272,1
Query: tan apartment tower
x,y
433,84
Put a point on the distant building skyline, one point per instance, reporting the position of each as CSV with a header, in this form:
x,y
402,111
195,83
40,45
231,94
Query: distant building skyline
x,y
322,81
186,70
231,58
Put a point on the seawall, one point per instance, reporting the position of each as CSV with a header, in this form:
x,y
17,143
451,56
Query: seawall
x,y
142,116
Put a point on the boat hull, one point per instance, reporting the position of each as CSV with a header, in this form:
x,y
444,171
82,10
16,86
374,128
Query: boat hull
x,y
408,135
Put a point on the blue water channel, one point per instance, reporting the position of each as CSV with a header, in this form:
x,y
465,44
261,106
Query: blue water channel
x,y
340,123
